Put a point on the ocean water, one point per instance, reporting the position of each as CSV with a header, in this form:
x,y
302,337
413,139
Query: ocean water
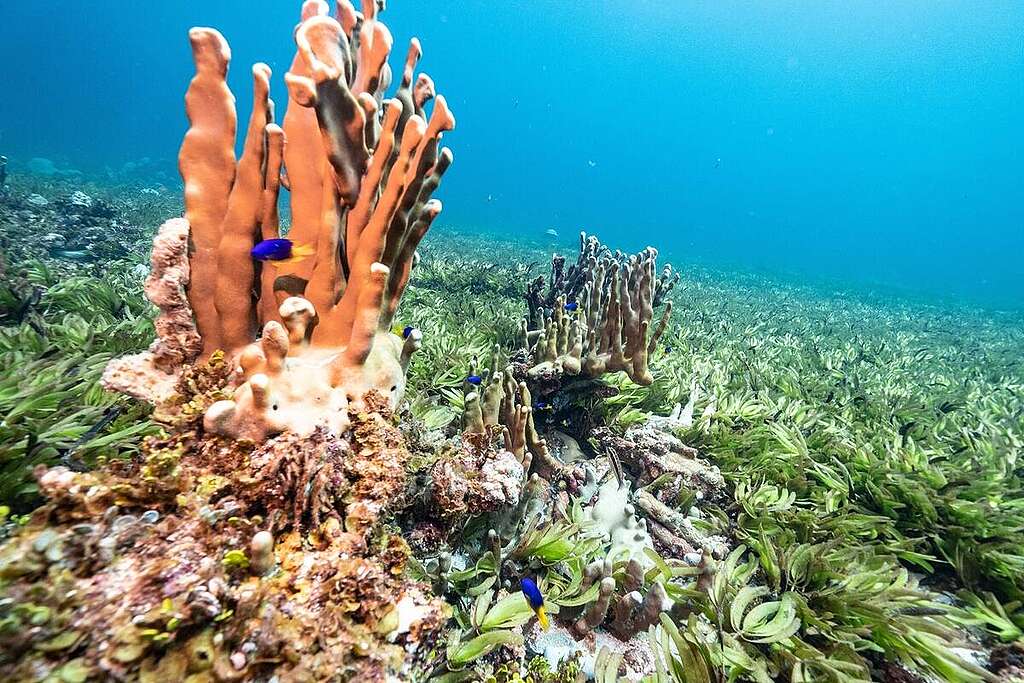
x,y
863,144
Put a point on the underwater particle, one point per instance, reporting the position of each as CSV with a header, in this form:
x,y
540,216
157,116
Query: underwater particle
x,y
261,548
535,600
475,380
571,306
149,517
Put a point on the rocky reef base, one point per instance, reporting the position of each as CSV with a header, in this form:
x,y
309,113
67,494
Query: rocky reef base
x,y
208,559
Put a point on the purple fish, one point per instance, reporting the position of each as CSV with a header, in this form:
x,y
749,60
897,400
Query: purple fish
x,y
535,599
272,250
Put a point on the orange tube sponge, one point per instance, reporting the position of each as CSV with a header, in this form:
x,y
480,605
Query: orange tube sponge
x,y
235,267
308,337
207,165
305,162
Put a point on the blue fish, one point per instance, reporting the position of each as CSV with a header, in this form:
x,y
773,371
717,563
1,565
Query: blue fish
x,y
541,405
280,250
475,380
571,306
535,600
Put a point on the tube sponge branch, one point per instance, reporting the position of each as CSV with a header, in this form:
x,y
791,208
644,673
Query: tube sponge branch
x,y
308,335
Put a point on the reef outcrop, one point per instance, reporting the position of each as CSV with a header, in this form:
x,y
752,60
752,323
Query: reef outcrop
x,y
308,336
598,316
152,375
209,560
251,539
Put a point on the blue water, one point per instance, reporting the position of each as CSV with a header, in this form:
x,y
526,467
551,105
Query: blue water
x,y
870,143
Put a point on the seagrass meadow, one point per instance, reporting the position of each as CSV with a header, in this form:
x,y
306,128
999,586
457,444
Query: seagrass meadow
x,y
867,523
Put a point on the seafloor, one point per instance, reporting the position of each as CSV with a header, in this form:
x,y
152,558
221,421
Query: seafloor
x,y
818,486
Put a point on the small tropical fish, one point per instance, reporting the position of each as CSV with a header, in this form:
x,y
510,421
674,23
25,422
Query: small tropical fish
x,y
541,405
402,332
571,306
616,466
475,380
280,251
535,600
552,232
72,255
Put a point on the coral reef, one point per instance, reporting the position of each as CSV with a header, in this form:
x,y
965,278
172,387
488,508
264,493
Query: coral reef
x,y
253,556
153,374
361,171
813,537
599,316
75,222
473,480
804,513
630,611
195,560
